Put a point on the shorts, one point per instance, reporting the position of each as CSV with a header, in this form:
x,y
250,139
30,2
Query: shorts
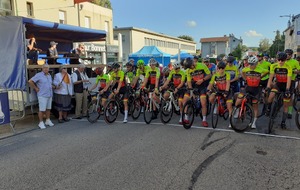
x,y
45,103
255,92
105,94
229,95
199,89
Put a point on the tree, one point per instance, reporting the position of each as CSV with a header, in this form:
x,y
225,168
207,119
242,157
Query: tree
x,y
186,37
278,44
264,45
103,3
239,50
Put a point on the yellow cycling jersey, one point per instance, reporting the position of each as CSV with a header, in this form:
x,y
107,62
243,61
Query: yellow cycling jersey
x,y
220,80
294,64
153,75
281,72
177,77
198,73
265,65
233,71
253,76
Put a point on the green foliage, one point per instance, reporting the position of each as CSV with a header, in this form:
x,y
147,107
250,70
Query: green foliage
x,y
278,44
186,37
103,3
264,45
238,51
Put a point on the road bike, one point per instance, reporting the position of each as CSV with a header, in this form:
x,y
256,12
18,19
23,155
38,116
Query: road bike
x,y
275,108
95,108
219,109
168,107
149,112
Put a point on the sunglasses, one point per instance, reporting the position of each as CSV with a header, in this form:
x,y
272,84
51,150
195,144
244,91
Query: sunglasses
x,y
221,67
281,60
64,68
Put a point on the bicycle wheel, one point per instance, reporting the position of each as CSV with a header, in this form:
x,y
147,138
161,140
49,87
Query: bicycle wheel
x,y
188,115
215,115
273,114
166,112
297,118
148,113
94,111
111,111
136,110
244,119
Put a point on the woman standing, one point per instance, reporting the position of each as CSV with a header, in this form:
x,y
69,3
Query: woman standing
x,y
62,93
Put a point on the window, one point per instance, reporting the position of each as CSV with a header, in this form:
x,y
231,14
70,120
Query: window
x,y
29,6
5,8
87,22
62,17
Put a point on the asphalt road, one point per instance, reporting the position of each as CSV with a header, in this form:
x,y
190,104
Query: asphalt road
x,y
80,155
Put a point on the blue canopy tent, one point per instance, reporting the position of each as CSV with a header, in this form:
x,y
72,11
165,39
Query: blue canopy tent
x,y
148,52
183,55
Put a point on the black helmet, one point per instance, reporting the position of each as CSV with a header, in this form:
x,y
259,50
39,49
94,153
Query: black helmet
x,y
281,55
188,62
219,58
289,51
115,66
129,63
230,59
196,57
221,64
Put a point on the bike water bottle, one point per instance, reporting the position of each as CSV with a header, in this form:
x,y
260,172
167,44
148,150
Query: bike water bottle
x,y
198,103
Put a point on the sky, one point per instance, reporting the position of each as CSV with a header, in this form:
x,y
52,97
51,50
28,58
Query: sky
x,y
251,20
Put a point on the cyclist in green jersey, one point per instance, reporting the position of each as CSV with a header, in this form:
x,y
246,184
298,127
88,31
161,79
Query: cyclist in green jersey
x,y
198,76
265,65
118,83
104,83
140,73
283,74
234,74
221,81
129,73
295,69
177,78
252,75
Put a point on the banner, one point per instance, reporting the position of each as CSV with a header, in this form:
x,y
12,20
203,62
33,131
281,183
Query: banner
x,y
4,108
81,1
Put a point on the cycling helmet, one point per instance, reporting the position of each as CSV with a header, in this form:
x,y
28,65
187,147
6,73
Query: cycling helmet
x,y
187,63
289,51
152,61
109,64
166,70
140,63
115,66
176,65
266,55
219,58
129,63
196,57
206,59
260,55
252,60
221,65
281,56
230,59
245,57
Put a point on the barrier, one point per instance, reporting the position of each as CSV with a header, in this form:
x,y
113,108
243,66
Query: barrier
x,y
12,106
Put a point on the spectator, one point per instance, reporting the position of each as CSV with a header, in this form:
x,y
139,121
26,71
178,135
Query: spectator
x,y
81,82
42,84
52,52
77,53
62,94
32,50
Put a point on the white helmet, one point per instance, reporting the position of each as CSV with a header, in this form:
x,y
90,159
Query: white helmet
x,y
253,60
245,57
166,70
176,64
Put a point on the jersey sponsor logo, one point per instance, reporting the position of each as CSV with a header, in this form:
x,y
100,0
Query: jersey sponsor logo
x,y
281,74
253,78
221,82
198,75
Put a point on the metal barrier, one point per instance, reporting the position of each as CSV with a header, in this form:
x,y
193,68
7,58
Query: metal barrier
x,y
16,105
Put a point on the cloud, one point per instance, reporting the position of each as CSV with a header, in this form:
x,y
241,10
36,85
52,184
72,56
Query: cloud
x,y
253,33
191,23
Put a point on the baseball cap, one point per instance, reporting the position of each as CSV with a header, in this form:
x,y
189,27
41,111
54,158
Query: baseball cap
x,y
52,43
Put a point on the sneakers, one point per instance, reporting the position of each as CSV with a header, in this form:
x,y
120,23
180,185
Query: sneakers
x,y
229,126
42,125
180,121
125,120
215,109
49,123
253,126
204,124
289,116
283,125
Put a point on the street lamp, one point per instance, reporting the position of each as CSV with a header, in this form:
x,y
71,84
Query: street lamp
x,y
290,18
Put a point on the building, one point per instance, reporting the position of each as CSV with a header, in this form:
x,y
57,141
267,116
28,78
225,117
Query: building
x,y
292,35
133,39
66,12
219,45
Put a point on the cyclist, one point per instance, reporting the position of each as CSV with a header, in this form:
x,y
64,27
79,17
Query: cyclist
x,y
198,76
294,64
129,74
283,74
211,66
221,80
109,67
104,83
264,65
243,65
165,74
151,81
234,74
119,86
252,75
140,73
177,78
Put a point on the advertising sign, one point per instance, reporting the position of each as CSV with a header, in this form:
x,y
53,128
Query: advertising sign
x,y
4,108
